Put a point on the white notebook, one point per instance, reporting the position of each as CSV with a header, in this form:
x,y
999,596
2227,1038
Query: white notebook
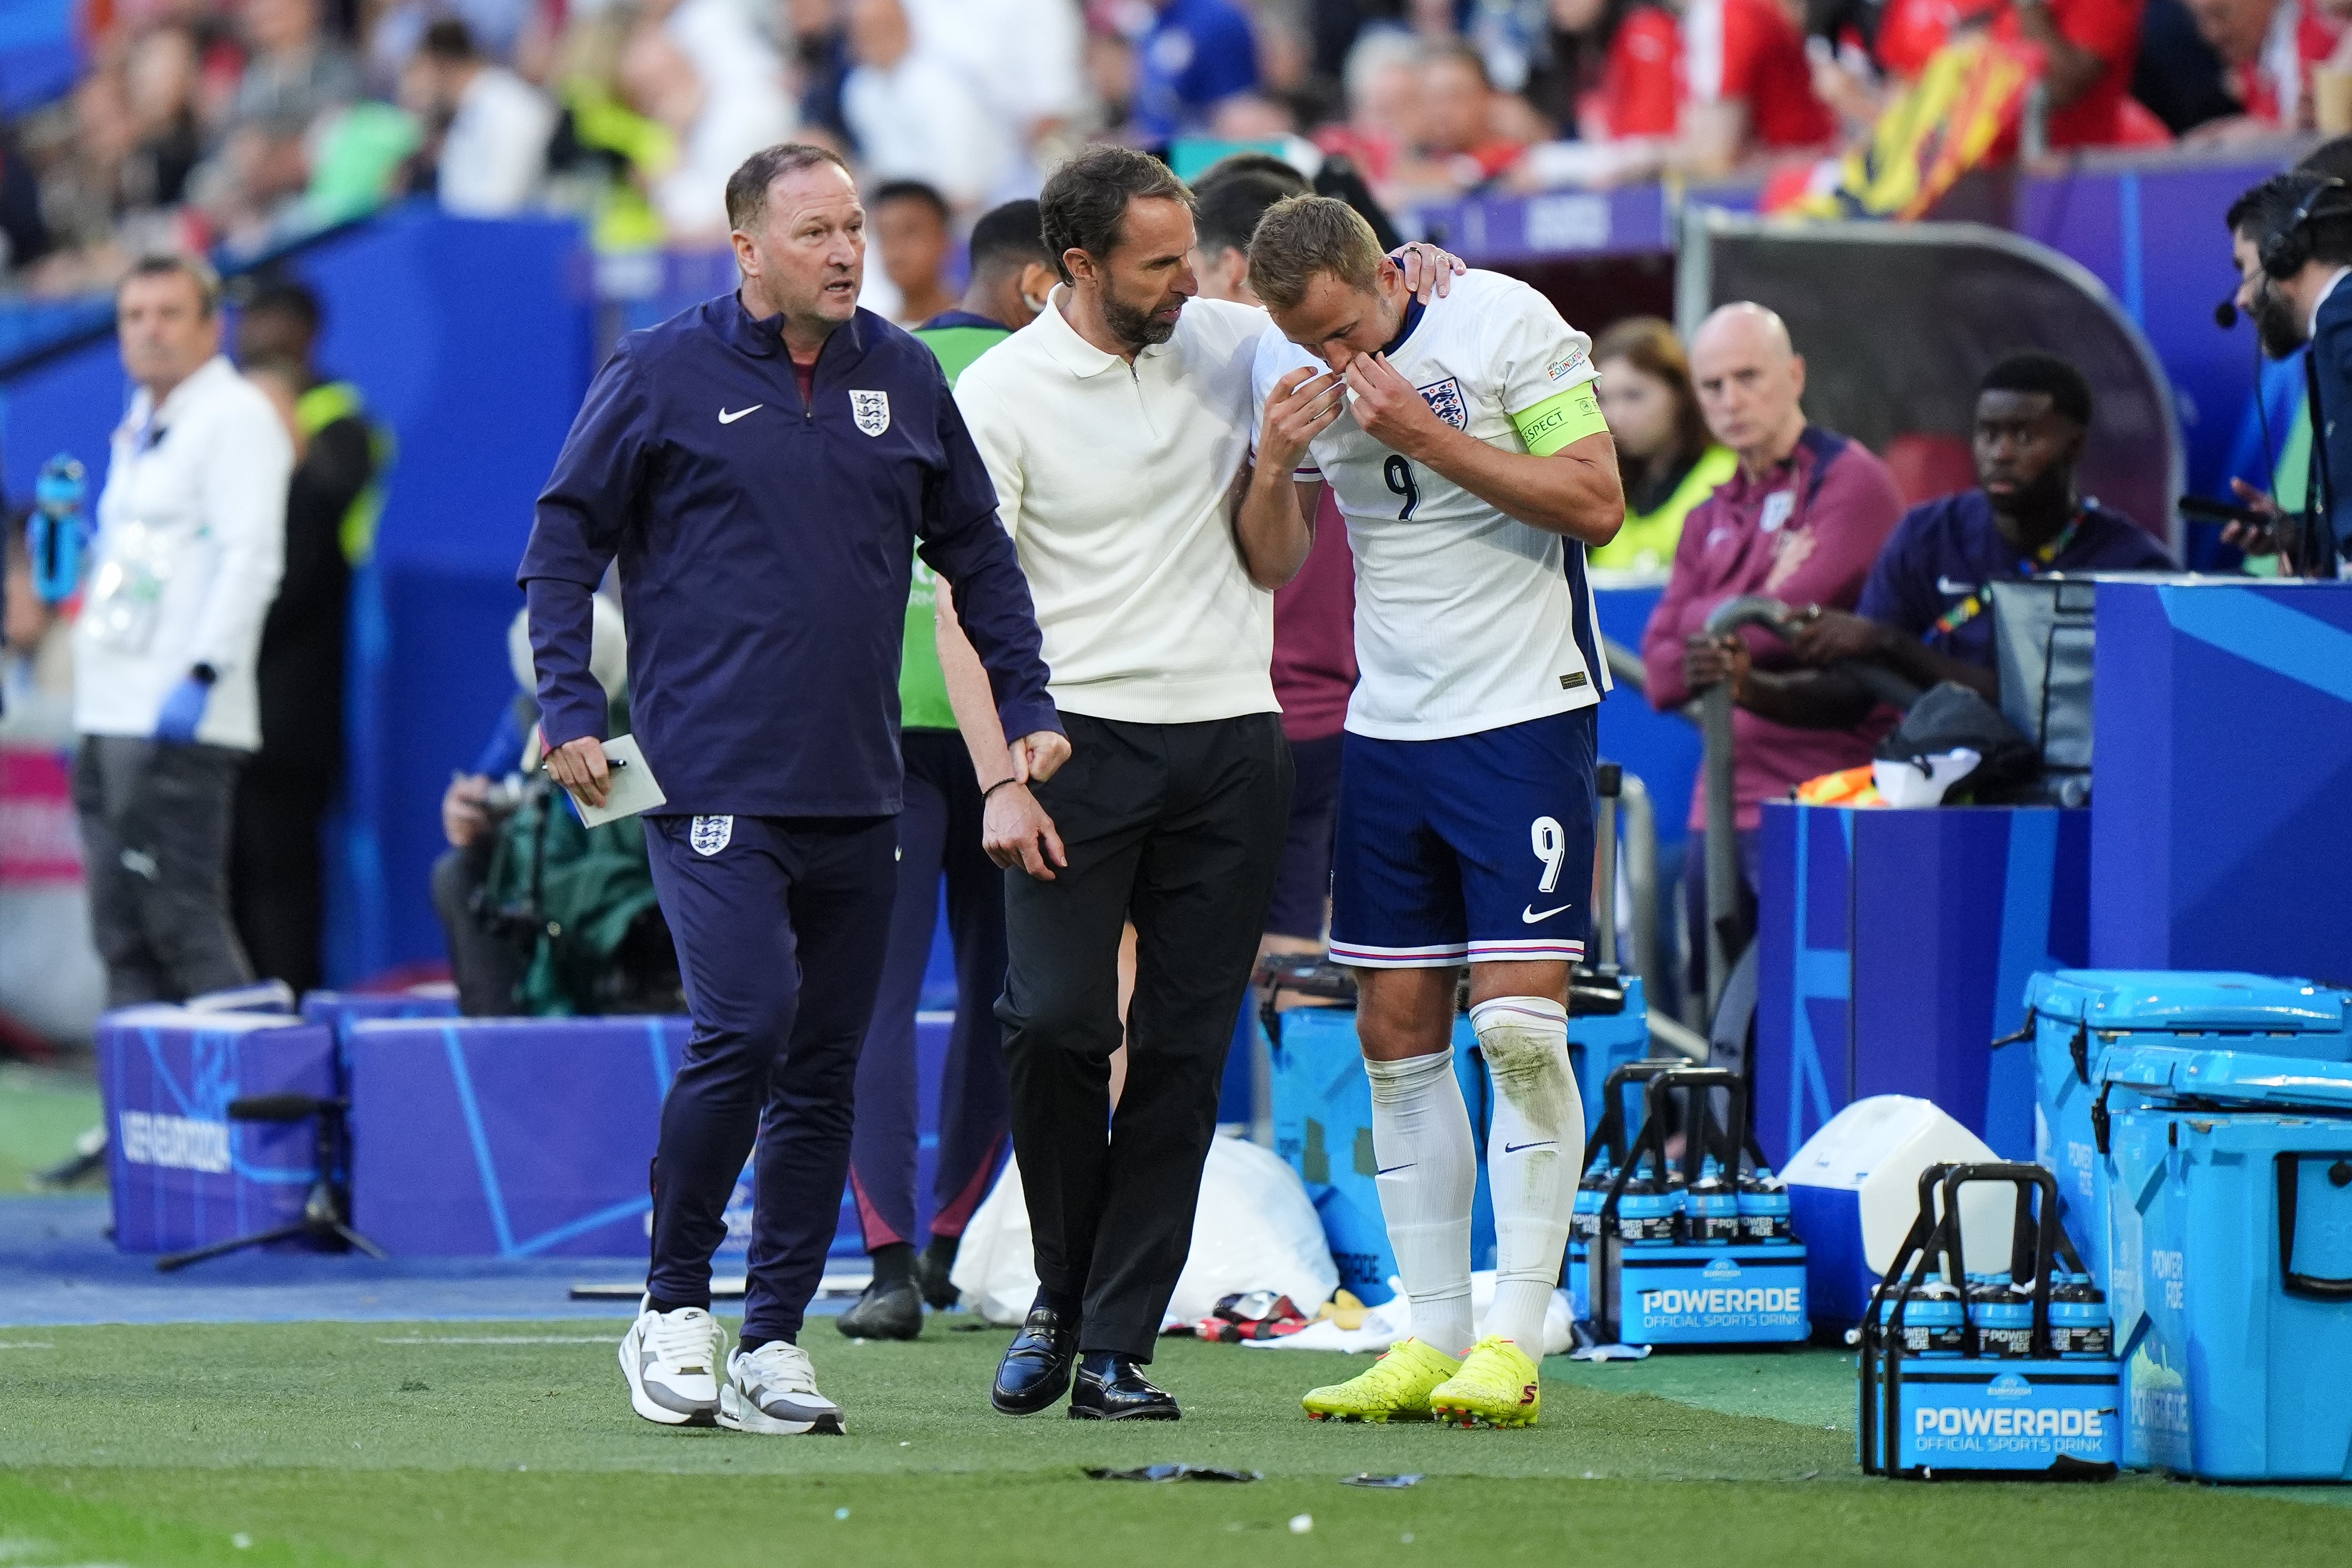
x,y
629,789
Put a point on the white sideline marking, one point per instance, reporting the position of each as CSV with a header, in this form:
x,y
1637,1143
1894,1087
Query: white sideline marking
x,y
497,1339
22,1345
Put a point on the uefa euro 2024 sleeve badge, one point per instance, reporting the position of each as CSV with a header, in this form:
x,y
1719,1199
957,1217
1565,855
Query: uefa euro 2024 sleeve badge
x,y
872,411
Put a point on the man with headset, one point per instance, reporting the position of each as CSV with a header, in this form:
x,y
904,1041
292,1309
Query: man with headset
x,y
2291,237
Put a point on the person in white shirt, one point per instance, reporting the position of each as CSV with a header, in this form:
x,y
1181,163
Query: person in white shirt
x,y
190,542
917,115
1464,443
1115,428
496,125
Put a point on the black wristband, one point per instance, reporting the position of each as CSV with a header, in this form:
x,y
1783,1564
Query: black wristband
x,y
995,787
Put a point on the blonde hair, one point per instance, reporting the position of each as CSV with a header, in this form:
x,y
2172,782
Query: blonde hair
x,y
1304,236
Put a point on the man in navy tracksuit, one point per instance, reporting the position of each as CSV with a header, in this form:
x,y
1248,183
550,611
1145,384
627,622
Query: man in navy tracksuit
x,y
766,466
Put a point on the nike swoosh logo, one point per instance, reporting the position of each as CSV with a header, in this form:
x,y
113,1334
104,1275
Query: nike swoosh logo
x,y
1527,912
1393,1169
1538,1143
727,418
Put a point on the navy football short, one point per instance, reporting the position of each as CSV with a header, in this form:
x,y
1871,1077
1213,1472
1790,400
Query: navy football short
x,y
1475,847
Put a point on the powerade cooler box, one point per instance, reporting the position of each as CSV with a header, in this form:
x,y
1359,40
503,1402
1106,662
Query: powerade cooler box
x,y
1669,1262
1323,1117
2075,1018
2231,1220
1969,1375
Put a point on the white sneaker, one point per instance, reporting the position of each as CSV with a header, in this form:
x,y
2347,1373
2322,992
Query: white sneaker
x,y
774,1390
671,1360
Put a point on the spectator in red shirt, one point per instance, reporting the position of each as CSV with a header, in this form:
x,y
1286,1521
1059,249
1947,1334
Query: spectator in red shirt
x,y
1459,146
1747,86
2267,47
2086,49
1800,521
1701,88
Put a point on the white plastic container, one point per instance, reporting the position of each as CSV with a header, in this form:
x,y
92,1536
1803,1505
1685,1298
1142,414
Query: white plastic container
x,y
1853,1191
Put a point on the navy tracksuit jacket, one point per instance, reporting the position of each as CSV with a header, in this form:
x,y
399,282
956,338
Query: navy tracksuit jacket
x,y
765,544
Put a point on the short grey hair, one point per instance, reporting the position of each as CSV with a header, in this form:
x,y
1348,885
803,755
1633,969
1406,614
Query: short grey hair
x,y
194,268
747,187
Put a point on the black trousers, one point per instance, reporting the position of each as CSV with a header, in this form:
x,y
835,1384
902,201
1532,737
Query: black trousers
x,y
277,871
155,833
1178,827
780,924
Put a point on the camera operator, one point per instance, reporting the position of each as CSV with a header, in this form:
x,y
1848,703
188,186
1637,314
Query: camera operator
x,y
1926,612
485,961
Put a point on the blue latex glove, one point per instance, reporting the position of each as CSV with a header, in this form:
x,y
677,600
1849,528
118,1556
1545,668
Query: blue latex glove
x,y
183,710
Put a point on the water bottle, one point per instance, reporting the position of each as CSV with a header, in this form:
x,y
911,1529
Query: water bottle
x,y
1764,1207
1931,1318
57,532
2002,1311
2079,1327
1645,1210
1591,1195
1714,1209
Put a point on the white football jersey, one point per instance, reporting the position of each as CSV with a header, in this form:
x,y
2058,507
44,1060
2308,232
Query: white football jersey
x,y
1466,619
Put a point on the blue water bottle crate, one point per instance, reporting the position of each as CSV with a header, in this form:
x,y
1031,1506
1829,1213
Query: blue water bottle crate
x,y
1979,1374
2076,1018
1702,1256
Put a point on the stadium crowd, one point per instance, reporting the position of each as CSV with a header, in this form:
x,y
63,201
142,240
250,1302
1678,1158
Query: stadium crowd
x,y
242,122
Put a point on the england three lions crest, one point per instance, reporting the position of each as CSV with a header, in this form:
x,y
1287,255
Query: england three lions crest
x,y
872,411
1444,400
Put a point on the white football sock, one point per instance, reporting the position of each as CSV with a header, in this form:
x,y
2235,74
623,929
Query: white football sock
x,y
1428,1174
1534,1150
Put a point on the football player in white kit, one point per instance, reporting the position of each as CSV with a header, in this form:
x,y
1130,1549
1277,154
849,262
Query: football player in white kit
x,y
1466,447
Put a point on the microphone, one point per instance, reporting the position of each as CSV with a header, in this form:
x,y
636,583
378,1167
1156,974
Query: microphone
x,y
2225,314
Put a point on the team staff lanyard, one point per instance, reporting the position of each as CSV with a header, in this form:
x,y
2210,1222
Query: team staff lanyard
x,y
1972,607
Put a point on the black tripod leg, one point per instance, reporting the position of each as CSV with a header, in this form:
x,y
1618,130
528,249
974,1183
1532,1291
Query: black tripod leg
x,y
176,1261
362,1242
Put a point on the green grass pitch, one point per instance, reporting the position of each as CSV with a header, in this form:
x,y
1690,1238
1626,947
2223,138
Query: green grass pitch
x,y
457,1444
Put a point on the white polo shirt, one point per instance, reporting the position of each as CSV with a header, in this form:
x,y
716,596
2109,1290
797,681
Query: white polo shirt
x,y
191,543
1115,481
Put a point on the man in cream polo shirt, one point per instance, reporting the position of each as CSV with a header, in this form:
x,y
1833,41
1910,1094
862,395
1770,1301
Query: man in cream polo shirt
x,y
1115,428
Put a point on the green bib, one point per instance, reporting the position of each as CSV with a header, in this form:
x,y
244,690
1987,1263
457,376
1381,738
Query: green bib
x,y
922,685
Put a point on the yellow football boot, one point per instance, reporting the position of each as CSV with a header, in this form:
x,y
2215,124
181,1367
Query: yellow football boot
x,y
1497,1386
1395,1388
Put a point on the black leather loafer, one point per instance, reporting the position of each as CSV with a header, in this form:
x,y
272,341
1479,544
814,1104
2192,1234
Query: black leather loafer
x,y
1113,1388
1036,1371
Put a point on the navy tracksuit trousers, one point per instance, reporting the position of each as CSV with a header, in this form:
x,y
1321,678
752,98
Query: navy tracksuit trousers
x,y
938,834
781,925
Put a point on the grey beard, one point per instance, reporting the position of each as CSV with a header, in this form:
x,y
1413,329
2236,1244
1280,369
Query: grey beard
x,y
1133,327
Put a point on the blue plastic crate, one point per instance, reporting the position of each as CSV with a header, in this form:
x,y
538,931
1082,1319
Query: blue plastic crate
x,y
2080,1016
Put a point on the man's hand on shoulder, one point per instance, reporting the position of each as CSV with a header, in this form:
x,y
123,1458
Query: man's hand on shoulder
x,y
579,766
1388,410
1428,268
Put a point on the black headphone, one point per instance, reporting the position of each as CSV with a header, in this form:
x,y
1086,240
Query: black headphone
x,y
2284,249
